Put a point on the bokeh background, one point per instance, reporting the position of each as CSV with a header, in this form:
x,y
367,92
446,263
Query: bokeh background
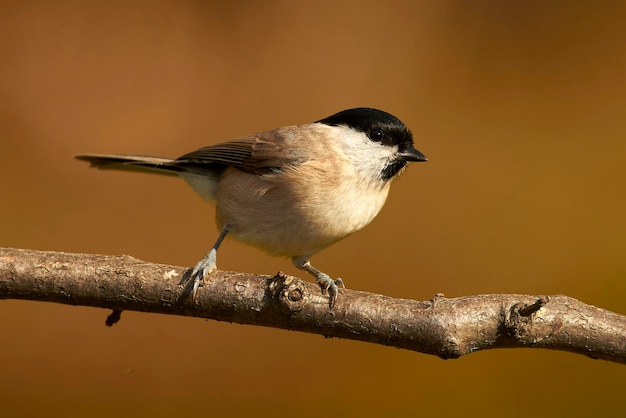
x,y
520,107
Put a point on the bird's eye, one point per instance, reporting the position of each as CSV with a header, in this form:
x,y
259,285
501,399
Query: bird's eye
x,y
375,135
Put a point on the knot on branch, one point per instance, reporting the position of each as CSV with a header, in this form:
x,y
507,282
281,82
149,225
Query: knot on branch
x,y
291,294
524,323
526,310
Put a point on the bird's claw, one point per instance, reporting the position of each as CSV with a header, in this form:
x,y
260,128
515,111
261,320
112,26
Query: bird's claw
x,y
201,270
330,286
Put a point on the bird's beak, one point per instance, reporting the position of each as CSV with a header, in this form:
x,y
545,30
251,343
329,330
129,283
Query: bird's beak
x,y
411,154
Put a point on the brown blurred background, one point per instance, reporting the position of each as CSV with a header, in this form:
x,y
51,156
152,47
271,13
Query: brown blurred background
x,y
518,105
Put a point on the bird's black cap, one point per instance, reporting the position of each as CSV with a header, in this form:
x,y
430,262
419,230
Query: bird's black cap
x,y
379,126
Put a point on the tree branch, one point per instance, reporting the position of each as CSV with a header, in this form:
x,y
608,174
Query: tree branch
x,y
447,328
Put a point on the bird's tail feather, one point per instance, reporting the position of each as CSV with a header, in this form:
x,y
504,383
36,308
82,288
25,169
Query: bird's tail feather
x,y
138,163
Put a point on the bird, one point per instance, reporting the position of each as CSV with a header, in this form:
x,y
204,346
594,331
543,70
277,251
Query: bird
x,y
294,190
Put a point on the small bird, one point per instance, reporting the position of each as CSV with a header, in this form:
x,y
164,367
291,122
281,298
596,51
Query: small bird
x,y
292,191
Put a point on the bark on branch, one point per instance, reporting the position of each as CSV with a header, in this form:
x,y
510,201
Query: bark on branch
x,y
447,328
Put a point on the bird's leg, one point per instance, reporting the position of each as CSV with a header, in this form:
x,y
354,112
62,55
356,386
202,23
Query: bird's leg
x,y
323,280
208,264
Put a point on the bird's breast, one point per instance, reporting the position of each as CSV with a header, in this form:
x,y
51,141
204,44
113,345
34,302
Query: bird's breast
x,y
299,211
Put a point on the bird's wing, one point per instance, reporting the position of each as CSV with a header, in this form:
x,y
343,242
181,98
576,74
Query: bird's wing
x,y
262,153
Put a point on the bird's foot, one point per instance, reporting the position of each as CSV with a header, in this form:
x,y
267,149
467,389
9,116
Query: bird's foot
x,y
204,267
330,286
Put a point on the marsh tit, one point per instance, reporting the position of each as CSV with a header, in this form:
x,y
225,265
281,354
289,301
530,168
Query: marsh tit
x,y
292,191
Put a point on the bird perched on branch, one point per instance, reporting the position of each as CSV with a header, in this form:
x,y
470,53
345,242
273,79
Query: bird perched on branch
x,y
292,191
